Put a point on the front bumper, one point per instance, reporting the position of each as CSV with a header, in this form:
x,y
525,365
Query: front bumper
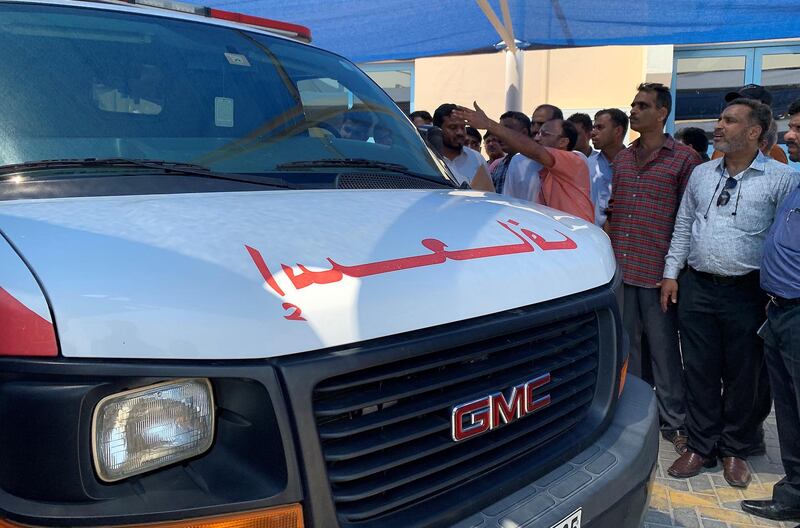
x,y
46,408
609,481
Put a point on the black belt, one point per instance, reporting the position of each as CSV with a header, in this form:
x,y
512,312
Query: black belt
x,y
726,279
781,302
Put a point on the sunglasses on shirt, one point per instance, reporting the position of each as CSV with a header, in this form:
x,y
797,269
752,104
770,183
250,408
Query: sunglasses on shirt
x,y
725,195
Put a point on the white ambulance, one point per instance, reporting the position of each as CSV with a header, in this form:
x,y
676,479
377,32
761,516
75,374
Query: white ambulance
x,y
237,289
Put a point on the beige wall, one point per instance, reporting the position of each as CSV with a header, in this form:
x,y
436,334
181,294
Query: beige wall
x,y
461,80
583,78
577,79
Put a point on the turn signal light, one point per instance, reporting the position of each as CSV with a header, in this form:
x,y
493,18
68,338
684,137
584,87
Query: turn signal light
x,y
623,373
290,516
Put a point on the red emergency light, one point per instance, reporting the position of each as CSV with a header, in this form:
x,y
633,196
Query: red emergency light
x,y
295,31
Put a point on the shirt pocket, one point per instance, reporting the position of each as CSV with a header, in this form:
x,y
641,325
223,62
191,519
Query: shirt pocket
x,y
755,211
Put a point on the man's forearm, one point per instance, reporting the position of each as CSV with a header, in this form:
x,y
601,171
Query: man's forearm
x,y
679,246
523,144
516,140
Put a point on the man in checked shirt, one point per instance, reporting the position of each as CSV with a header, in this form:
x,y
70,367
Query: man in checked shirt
x,y
719,235
648,182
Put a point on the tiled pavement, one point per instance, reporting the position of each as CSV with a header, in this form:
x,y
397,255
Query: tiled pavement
x,y
707,501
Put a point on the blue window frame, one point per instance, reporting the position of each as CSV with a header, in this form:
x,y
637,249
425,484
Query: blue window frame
x,y
702,76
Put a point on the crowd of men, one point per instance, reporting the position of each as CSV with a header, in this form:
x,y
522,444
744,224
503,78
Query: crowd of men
x,y
704,245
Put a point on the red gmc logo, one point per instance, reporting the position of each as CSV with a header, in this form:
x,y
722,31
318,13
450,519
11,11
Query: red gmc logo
x,y
493,411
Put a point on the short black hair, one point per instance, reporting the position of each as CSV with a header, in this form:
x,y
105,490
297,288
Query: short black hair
x,y
760,114
663,95
443,111
423,114
487,135
694,137
568,131
794,108
554,110
617,116
474,133
523,120
583,120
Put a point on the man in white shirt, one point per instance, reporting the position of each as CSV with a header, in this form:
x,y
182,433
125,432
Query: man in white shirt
x,y
722,223
466,164
515,121
522,179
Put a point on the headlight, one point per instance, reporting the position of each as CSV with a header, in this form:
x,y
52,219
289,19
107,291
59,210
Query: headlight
x,y
143,429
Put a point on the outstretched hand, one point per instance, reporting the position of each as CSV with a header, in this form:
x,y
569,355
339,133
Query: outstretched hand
x,y
475,118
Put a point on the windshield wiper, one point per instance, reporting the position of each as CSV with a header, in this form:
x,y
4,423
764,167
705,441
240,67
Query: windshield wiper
x,y
165,167
344,162
359,163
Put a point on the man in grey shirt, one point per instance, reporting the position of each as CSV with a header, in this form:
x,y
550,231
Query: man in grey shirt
x,y
722,222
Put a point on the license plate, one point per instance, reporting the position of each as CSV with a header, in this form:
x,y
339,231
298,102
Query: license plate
x,y
572,521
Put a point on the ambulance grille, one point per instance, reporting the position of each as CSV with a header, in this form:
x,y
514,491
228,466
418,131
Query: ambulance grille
x,y
386,430
356,180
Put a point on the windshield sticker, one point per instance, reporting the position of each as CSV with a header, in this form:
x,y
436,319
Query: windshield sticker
x,y
437,254
223,112
237,60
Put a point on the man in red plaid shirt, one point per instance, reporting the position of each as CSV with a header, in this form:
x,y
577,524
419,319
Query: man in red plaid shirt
x,y
648,183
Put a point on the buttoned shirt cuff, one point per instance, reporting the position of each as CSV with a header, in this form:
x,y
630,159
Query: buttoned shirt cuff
x,y
671,271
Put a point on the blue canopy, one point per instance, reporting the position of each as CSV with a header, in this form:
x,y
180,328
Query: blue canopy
x,y
370,30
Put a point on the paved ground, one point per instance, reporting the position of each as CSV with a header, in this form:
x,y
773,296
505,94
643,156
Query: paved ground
x,y
707,501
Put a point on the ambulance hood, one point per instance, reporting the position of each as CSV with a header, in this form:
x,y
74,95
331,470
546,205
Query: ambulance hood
x,y
262,274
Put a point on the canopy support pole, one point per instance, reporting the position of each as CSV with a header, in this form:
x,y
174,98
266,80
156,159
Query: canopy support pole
x,y
515,63
506,33
514,58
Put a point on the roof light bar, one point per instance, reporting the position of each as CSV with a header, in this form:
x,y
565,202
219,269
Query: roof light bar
x,y
294,30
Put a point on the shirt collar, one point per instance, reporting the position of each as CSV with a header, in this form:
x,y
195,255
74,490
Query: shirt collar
x,y
759,164
669,143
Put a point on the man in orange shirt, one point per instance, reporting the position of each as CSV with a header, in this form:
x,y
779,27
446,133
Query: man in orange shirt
x,y
564,175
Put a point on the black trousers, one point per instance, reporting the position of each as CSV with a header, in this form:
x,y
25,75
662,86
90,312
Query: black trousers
x,y
642,316
781,336
763,400
722,355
